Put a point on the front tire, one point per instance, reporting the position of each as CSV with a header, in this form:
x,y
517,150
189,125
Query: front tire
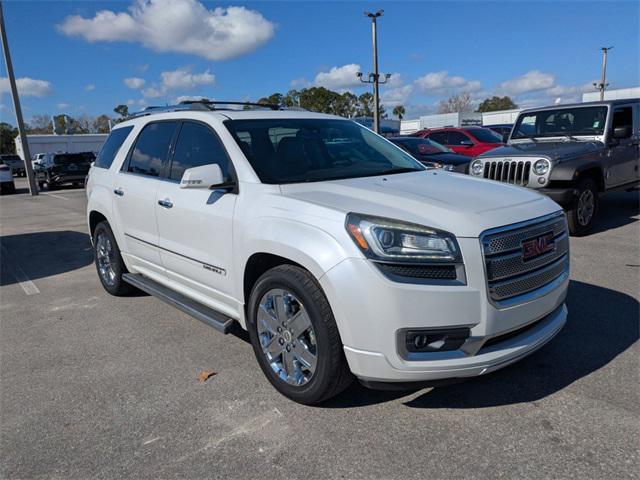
x,y
108,260
582,215
295,337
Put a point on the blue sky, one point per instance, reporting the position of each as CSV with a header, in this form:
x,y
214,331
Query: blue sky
x,y
74,60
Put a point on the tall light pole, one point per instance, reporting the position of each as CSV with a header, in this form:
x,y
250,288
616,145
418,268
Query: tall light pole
x,y
603,79
375,77
16,106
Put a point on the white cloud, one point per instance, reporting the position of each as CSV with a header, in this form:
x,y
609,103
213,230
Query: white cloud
x,y
131,101
396,96
438,83
27,87
339,77
395,81
180,79
187,98
134,82
62,106
300,83
90,87
532,81
184,26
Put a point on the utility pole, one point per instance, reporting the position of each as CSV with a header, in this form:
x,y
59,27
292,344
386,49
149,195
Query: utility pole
x,y
33,189
375,77
603,79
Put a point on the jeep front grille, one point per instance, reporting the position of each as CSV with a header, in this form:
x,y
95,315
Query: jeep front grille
x,y
509,275
514,171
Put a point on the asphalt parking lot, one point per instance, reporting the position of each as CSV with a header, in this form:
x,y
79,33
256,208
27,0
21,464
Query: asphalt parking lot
x,y
94,386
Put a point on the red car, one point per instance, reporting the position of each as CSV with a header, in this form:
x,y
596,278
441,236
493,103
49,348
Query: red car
x,y
469,141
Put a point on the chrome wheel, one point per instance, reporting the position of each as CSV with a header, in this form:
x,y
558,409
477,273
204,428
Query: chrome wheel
x,y
104,259
586,207
287,337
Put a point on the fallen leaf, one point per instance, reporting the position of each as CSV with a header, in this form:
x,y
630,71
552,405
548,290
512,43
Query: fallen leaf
x,y
206,375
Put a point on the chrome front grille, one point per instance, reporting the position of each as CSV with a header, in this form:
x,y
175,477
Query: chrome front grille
x,y
511,171
509,275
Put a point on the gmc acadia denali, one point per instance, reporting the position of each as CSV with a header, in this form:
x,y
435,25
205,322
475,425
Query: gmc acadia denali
x,y
340,254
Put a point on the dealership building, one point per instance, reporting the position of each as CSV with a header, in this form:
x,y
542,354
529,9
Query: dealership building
x,y
502,117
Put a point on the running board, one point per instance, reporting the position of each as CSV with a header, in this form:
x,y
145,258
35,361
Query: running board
x,y
203,313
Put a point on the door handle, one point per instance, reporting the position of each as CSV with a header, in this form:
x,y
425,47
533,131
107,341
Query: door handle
x,y
166,203
118,192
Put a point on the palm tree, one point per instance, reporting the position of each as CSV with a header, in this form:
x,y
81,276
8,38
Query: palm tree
x,y
399,112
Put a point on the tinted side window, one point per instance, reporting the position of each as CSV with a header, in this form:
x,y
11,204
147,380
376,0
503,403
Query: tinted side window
x,y
110,148
622,117
440,137
197,145
151,148
457,138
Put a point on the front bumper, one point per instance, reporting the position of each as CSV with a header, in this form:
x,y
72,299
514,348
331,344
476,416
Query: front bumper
x,y
370,309
562,196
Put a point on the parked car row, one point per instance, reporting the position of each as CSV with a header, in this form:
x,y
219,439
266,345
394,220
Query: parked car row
x,y
55,169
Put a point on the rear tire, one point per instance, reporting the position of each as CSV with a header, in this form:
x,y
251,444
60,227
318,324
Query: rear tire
x,y
582,215
295,337
109,263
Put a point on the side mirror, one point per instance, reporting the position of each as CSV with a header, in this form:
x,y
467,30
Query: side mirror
x,y
202,177
622,132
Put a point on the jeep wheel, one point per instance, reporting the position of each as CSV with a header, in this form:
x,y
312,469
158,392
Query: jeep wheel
x,y
583,213
109,263
295,337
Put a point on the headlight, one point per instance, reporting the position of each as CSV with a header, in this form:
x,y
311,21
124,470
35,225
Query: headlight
x,y
385,239
476,167
541,167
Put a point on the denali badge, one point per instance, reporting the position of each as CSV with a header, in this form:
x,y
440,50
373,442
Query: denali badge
x,y
534,247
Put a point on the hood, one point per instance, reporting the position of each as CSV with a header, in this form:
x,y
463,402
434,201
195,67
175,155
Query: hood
x,y
448,158
552,150
460,204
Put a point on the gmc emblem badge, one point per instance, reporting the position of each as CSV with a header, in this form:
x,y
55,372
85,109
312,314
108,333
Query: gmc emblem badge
x,y
534,247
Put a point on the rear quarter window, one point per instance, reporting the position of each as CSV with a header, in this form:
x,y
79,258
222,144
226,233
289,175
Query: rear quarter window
x,y
111,147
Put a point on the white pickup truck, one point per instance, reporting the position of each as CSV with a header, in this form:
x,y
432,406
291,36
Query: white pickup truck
x,y
340,254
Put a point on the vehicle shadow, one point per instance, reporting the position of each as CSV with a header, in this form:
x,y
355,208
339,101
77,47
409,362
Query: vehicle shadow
x,y
617,210
602,324
43,254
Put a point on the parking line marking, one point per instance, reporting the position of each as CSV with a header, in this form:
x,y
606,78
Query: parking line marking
x,y
54,195
22,278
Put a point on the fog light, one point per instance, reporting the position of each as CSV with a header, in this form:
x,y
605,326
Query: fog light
x,y
541,180
435,340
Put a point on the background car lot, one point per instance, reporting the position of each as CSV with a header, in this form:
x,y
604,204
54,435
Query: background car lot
x,y
94,386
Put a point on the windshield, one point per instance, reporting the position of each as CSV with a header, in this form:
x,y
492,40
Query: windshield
x,y
314,150
11,159
561,122
485,135
423,146
66,159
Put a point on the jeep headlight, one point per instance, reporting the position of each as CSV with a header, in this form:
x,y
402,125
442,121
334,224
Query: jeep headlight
x,y
384,239
541,167
476,167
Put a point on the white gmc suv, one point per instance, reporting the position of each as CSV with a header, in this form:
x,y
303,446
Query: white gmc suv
x,y
339,253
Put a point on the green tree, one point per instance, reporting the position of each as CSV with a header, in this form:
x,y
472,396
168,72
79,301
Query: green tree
x,y
399,111
365,105
273,99
291,99
319,99
101,124
8,133
122,110
496,103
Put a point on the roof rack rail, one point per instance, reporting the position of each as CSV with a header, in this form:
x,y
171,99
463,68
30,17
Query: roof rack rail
x,y
198,105
211,104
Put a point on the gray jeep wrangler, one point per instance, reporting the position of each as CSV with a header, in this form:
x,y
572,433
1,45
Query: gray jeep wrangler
x,y
572,153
